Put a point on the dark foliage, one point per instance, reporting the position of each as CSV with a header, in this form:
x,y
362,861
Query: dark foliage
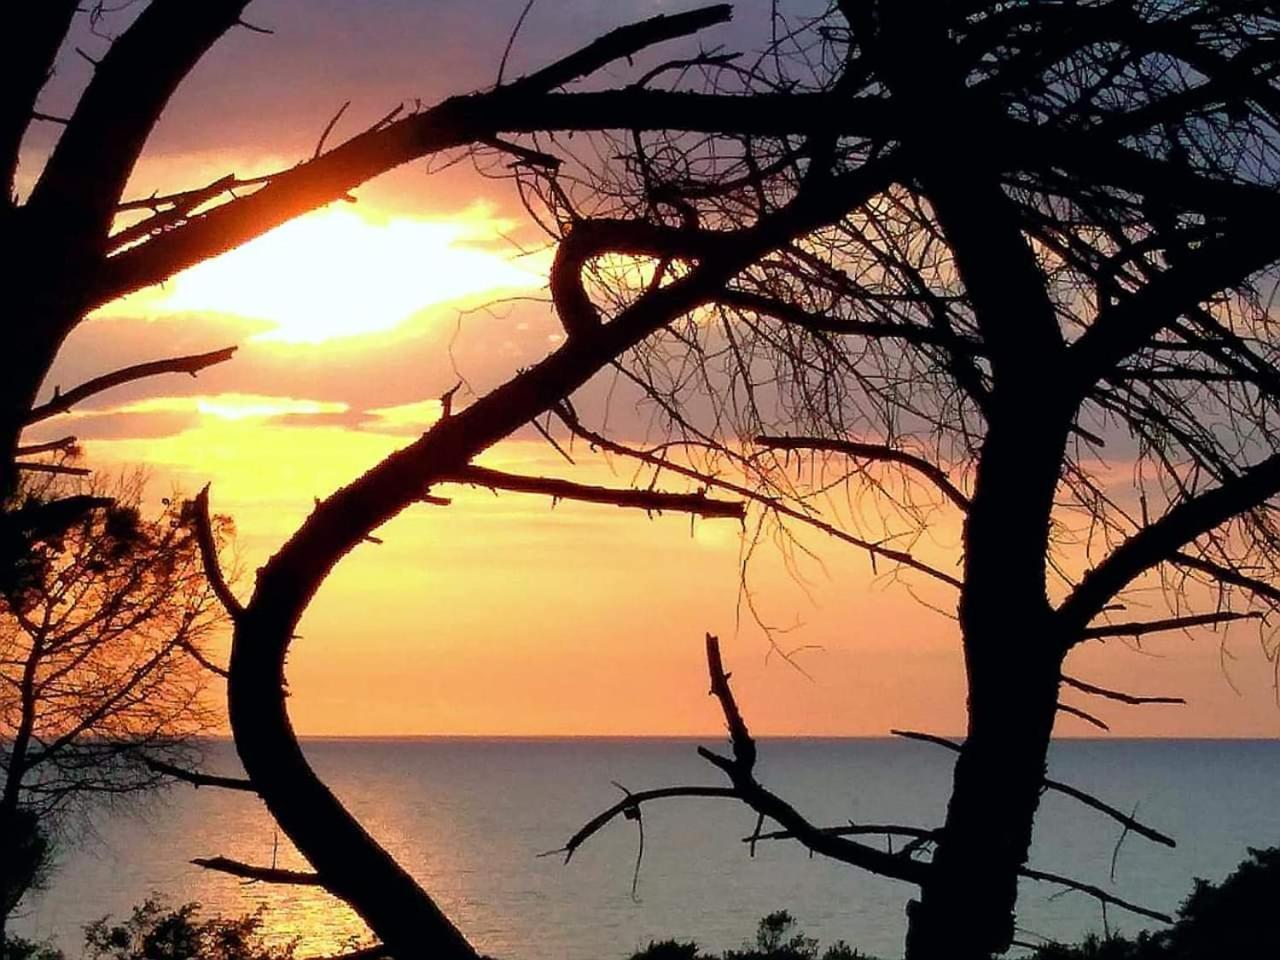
x,y
157,931
777,938
1231,919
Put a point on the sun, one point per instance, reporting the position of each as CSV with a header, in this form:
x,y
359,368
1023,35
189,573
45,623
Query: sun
x,y
341,273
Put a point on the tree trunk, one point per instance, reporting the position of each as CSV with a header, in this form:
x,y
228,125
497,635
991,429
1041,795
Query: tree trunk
x,y
351,864
1013,654
967,907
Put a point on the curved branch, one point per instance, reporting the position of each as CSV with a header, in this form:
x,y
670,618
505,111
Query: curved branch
x,y
209,557
880,452
192,364
1164,539
632,801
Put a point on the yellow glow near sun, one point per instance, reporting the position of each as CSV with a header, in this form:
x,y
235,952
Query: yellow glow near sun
x,y
341,273
228,406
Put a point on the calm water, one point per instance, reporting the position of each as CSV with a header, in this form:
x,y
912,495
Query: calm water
x,y
469,817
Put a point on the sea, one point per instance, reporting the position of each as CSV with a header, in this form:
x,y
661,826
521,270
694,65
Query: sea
x,y
477,822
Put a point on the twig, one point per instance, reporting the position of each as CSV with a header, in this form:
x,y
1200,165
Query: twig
x,y
1084,715
1116,694
324,135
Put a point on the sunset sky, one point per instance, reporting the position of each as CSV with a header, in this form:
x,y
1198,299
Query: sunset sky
x,y
497,615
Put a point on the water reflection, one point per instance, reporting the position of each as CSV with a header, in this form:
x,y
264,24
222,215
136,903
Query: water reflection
x,y
468,818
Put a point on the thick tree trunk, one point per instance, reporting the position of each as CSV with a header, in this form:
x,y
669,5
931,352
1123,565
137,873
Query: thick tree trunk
x,y
967,907
1013,655
351,863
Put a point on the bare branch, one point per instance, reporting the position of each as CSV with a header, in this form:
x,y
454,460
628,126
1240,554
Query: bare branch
x,y
1064,788
740,770
197,779
193,364
654,500
1164,539
632,801
249,871
1096,892
1141,628
620,44
37,467
1083,715
61,445
570,420
209,557
873,451
1116,694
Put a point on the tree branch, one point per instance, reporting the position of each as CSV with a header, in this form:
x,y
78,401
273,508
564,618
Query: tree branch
x,y
1116,694
61,445
37,467
196,779
698,504
1096,892
192,365
1164,539
873,451
740,770
1084,715
570,419
1064,788
248,871
82,181
1139,628
631,802
209,557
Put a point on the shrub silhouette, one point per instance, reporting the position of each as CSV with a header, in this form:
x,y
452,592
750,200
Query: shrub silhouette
x,y
1228,920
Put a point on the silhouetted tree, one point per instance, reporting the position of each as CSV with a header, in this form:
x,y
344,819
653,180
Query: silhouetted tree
x,y
995,241
76,242
1065,261
101,673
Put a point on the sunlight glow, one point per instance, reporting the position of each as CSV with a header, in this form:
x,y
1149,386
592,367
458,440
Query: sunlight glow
x,y
342,273
232,406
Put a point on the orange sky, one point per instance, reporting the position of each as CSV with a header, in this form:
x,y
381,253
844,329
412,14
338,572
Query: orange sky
x,y
498,614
